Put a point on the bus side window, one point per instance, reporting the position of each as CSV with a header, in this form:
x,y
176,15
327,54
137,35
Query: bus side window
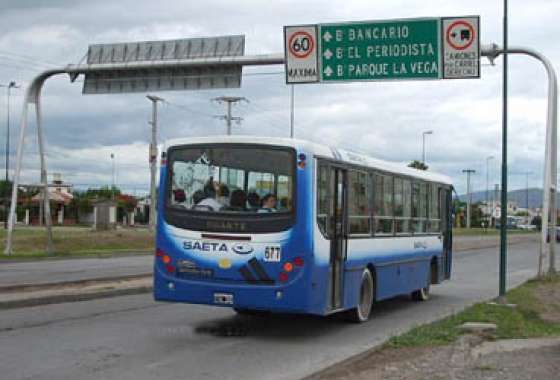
x,y
402,205
435,209
383,205
358,205
323,203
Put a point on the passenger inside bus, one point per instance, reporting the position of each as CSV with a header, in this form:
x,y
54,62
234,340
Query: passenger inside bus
x,y
237,201
223,194
253,201
209,201
268,203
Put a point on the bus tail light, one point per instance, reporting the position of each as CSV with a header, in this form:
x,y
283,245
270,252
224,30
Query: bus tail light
x,y
283,277
170,268
298,261
166,259
288,267
159,252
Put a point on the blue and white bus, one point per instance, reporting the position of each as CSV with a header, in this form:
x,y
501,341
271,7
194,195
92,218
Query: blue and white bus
x,y
284,225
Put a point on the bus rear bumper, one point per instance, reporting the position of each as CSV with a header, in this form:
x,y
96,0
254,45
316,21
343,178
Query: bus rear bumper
x,y
284,298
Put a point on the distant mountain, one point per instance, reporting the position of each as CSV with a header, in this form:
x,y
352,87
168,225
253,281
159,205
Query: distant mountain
x,y
518,196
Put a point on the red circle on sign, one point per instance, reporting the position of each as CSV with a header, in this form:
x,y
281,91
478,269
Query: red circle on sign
x,y
450,27
300,54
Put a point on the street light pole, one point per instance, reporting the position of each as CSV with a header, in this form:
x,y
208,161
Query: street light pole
x,y
153,160
11,85
424,144
504,195
469,195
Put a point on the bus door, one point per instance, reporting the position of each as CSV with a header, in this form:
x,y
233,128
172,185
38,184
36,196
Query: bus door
x,y
447,224
338,218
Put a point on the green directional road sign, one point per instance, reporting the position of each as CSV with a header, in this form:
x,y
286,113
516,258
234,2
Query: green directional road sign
x,y
380,50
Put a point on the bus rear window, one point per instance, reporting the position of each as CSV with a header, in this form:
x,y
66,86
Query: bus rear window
x,y
231,180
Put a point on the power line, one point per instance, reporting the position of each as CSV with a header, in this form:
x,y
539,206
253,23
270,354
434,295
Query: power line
x,y
25,61
29,57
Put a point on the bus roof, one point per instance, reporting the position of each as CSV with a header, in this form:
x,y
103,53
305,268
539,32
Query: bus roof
x,y
317,150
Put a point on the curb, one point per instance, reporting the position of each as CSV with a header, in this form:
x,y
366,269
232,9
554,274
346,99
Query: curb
x,y
99,255
15,304
55,285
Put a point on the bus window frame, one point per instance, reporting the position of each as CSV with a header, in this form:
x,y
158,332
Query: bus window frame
x,y
371,172
230,221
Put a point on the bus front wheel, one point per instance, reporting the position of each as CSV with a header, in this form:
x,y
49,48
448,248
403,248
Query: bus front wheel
x,y
366,296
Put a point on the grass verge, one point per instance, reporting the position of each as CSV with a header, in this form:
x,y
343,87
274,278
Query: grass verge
x,y
30,243
523,321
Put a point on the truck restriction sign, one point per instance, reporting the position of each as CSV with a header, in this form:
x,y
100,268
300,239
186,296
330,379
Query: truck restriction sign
x,y
461,47
300,49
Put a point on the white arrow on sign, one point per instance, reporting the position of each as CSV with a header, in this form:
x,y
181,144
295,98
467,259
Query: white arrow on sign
x,y
327,36
328,54
328,71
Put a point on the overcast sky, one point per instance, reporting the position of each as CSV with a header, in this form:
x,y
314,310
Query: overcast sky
x,y
384,120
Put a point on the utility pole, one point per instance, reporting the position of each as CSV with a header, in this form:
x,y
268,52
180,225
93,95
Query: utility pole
x,y
229,100
469,195
153,160
424,144
488,185
292,111
9,86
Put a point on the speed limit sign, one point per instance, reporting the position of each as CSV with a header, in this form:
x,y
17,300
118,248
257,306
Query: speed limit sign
x,y
301,44
301,54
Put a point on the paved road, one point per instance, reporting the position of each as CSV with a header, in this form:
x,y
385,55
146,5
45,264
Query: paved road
x,y
51,271
135,338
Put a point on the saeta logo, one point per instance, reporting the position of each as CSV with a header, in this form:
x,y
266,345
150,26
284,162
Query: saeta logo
x,y
242,249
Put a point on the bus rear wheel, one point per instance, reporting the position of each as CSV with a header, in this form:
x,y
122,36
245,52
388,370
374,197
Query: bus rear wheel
x,y
423,294
366,296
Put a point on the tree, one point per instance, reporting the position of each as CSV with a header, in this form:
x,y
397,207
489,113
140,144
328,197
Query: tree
x,y
104,192
418,165
477,216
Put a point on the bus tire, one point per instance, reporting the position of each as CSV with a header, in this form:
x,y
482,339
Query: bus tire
x,y
250,312
366,296
423,294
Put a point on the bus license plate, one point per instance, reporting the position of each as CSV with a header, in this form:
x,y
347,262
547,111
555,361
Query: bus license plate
x,y
223,298
272,254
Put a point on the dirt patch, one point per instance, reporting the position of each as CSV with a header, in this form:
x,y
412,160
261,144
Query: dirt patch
x,y
448,362
528,348
548,295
